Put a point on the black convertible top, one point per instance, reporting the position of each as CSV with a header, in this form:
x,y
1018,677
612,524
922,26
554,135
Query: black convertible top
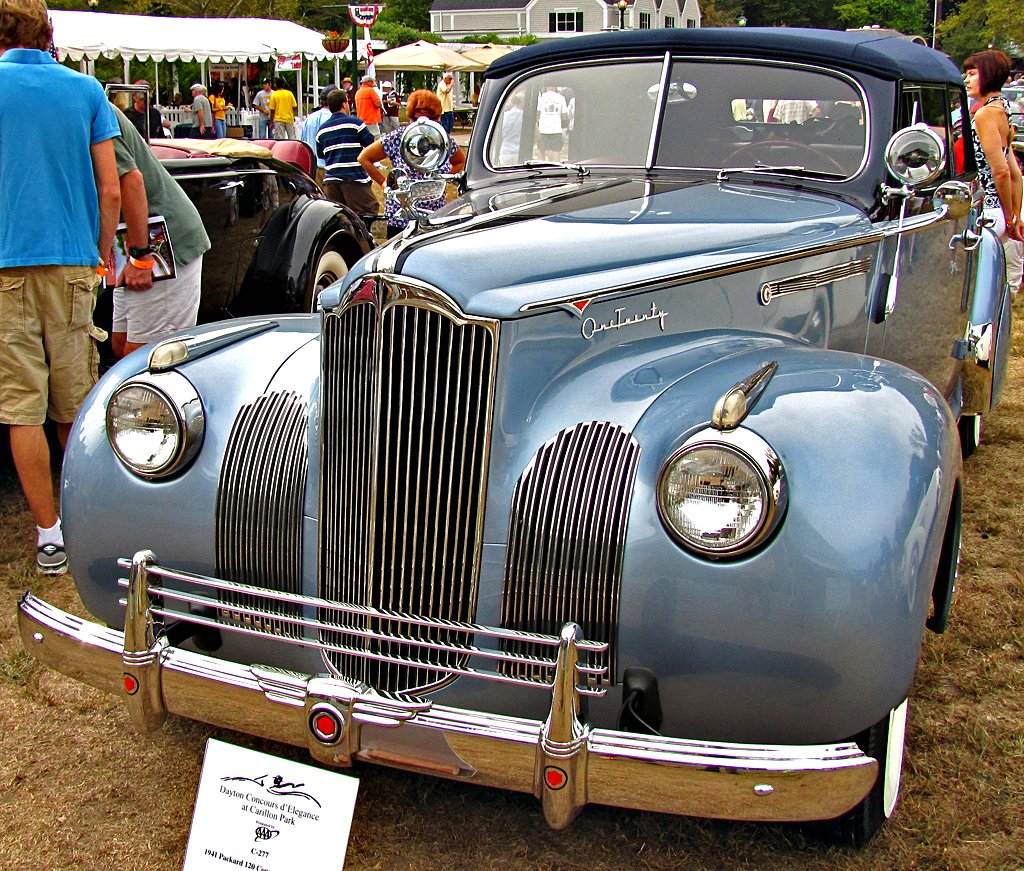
x,y
881,53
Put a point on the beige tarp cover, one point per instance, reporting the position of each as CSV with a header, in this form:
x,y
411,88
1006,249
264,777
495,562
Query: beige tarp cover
x,y
424,55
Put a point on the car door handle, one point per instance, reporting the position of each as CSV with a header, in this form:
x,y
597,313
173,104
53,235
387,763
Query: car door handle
x,y
968,238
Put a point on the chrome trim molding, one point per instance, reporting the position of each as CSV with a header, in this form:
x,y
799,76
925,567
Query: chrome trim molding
x,y
244,609
559,759
693,275
567,532
406,390
810,280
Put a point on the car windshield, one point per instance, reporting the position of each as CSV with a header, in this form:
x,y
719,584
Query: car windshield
x,y
713,115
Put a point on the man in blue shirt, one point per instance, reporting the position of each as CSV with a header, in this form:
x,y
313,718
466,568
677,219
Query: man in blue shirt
x,y
59,205
339,141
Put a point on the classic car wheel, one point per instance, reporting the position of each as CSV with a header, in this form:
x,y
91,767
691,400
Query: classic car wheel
x,y
884,741
771,149
970,434
329,268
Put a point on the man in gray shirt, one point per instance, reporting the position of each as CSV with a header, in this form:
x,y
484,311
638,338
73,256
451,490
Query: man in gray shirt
x,y
261,103
202,113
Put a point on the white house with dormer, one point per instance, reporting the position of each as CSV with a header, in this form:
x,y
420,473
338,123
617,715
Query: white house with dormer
x,y
553,19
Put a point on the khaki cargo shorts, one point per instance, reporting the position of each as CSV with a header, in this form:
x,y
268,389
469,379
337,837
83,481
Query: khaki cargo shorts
x,y
48,356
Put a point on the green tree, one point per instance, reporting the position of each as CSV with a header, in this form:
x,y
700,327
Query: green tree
x,y
794,13
399,34
912,17
411,13
720,13
978,24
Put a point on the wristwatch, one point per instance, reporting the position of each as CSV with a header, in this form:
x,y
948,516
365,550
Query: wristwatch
x,y
140,253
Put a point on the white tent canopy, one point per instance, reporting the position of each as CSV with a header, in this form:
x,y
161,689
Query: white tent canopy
x,y
91,35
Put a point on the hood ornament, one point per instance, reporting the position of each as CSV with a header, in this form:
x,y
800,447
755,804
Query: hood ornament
x,y
739,400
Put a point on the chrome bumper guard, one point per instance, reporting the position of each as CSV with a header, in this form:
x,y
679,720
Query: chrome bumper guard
x,y
561,760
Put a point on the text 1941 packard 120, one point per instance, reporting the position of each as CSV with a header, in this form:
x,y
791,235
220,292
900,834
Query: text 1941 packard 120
x,y
632,476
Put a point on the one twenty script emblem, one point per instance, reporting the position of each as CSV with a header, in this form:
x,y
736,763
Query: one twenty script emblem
x,y
591,326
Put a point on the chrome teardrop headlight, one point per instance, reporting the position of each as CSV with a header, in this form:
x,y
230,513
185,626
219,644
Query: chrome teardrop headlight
x,y
155,423
722,493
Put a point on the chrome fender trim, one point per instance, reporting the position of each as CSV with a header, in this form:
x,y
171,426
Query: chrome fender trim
x,y
561,759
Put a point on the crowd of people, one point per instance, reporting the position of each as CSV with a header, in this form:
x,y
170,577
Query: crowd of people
x,y
80,171
76,172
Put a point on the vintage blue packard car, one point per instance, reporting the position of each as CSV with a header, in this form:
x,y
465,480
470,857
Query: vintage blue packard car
x,y
632,476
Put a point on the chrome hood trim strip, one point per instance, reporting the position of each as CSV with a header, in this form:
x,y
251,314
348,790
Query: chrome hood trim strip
x,y
756,261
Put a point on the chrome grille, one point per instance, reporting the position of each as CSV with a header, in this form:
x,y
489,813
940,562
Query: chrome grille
x,y
258,533
566,536
406,394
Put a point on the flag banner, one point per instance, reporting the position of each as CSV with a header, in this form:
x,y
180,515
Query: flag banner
x,y
365,15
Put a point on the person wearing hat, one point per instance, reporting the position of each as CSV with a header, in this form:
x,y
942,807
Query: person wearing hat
x,y
202,113
444,94
282,111
391,102
369,108
311,126
261,103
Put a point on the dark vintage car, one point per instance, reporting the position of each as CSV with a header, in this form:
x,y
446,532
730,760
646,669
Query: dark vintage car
x,y
276,239
633,476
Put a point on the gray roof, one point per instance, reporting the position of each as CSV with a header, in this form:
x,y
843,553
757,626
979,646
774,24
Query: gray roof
x,y
471,5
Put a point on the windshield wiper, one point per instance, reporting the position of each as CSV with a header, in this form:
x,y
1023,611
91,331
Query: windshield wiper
x,y
723,173
579,168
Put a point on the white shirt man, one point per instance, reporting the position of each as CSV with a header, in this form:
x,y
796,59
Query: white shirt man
x,y
553,115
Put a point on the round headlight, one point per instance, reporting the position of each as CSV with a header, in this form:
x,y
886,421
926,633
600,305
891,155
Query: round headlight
x,y
722,493
155,423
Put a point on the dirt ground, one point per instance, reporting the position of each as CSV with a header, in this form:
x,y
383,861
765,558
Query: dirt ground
x,y
79,790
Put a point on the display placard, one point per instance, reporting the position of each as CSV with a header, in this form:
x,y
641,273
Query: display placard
x,y
259,812
288,63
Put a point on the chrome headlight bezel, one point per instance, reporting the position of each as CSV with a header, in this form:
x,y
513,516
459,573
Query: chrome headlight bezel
x,y
762,463
186,422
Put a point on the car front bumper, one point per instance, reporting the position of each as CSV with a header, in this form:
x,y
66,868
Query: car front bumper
x,y
561,760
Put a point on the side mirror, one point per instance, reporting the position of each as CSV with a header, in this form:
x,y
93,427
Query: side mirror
x,y
424,145
916,155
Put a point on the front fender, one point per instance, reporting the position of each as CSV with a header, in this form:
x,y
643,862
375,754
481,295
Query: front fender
x,y
109,512
281,276
817,634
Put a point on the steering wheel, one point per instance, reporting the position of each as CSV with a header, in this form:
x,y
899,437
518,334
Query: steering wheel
x,y
772,147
